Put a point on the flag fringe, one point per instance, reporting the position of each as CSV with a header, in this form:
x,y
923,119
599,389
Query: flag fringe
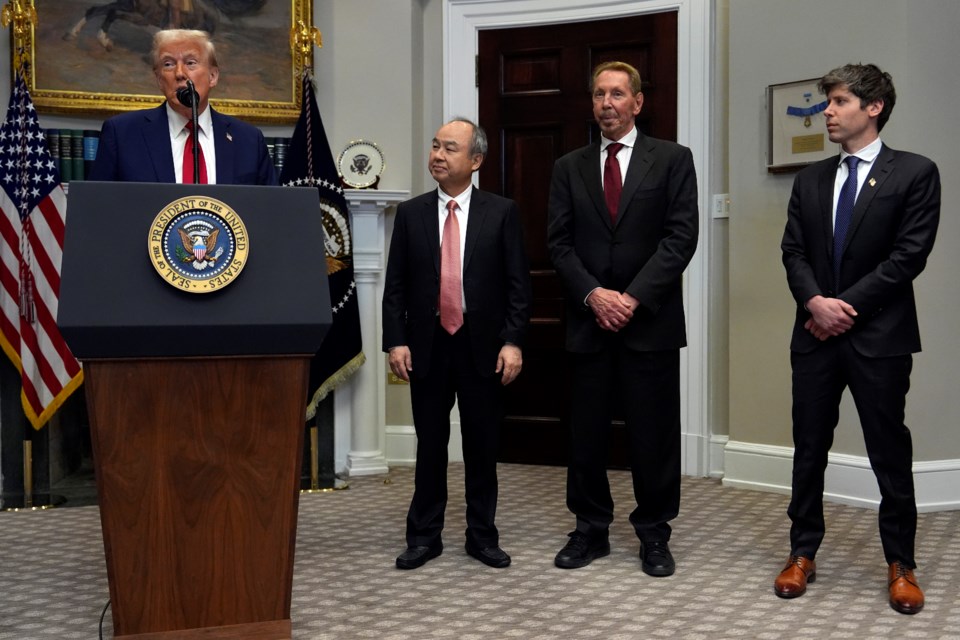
x,y
39,421
339,376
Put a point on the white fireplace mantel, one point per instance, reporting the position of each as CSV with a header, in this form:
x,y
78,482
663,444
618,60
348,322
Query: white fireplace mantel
x,y
359,409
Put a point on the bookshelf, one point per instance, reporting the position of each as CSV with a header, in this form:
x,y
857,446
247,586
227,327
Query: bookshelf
x,y
74,151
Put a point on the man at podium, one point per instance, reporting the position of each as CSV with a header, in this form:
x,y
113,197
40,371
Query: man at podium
x,y
156,145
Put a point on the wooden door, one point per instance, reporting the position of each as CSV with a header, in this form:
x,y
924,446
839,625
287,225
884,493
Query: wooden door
x,y
534,86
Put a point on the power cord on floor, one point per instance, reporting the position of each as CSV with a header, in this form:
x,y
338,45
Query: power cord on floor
x,y
102,615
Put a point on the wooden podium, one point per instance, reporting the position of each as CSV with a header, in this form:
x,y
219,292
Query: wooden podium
x,y
197,405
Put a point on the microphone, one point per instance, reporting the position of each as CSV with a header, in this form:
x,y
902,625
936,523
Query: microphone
x,y
186,95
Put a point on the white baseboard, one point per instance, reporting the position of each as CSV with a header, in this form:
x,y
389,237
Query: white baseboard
x,y
715,467
849,479
401,444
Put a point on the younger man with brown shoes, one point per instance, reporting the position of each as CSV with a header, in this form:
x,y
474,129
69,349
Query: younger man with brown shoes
x,y
859,229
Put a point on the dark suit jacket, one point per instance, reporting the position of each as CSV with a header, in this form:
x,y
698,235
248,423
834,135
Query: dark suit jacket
x,y
135,147
890,236
496,279
643,254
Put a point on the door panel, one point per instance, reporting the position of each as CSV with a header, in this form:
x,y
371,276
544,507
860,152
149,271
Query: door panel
x,y
534,86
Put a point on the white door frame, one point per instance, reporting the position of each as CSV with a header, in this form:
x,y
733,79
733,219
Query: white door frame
x,y
462,19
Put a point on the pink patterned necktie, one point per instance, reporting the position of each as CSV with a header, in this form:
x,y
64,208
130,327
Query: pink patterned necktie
x,y
451,309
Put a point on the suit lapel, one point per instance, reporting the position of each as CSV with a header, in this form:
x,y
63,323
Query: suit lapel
x,y
825,186
223,143
156,140
430,226
589,167
879,172
641,160
478,213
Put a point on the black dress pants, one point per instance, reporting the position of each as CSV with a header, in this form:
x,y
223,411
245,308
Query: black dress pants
x,y
647,387
453,375
879,388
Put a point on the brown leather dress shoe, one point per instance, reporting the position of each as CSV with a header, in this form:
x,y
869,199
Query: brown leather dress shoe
x,y
906,596
792,581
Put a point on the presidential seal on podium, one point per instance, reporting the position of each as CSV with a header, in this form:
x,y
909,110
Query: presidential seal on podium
x,y
198,244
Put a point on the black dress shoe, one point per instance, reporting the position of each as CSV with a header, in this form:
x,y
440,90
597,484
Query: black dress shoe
x,y
491,556
415,557
656,559
580,551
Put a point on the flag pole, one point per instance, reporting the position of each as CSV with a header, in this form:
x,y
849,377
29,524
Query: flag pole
x,y
21,16
29,501
303,37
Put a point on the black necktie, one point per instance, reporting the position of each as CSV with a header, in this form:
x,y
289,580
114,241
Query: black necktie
x,y
848,197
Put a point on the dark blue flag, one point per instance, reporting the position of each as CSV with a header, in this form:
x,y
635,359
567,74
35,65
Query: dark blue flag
x,y
309,163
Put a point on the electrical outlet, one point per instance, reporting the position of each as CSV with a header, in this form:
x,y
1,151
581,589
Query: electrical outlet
x,y
721,205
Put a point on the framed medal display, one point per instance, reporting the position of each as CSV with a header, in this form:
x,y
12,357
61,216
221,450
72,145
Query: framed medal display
x,y
797,133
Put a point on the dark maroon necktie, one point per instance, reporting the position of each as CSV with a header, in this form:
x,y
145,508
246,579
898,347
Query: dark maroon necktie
x,y
612,182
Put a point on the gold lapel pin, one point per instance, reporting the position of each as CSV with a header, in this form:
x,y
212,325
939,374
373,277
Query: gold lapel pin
x,y
873,182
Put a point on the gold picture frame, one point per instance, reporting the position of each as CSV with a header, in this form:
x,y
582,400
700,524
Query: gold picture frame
x,y
73,67
797,133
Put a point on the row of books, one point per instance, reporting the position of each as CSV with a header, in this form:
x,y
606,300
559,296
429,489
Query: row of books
x,y
278,146
74,150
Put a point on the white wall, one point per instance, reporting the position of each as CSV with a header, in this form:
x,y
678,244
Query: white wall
x,y
775,42
380,77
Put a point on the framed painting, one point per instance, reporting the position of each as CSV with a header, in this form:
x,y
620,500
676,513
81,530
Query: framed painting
x,y
797,134
93,56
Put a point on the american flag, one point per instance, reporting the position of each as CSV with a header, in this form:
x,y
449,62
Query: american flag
x,y
33,207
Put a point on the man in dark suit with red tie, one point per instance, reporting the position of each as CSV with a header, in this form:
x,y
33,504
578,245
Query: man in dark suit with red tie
x,y
859,229
456,304
623,225
155,145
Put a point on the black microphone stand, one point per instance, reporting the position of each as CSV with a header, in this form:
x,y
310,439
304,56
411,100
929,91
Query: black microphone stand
x,y
189,95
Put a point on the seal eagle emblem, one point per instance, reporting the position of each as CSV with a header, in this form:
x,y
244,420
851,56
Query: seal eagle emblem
x,y
198,244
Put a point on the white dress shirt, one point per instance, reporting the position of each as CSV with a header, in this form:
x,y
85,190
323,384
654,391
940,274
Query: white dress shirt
x,y
867,156
178,142
623,156
462,212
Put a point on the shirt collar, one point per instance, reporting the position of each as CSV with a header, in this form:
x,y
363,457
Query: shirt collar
x,y
868,154
177,122
463,200
628,140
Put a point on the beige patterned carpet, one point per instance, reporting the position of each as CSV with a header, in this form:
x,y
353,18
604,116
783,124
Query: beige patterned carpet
x,y
729,545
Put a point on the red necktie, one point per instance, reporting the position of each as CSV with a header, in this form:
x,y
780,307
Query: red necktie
x,y
188,160
451,307
612,182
